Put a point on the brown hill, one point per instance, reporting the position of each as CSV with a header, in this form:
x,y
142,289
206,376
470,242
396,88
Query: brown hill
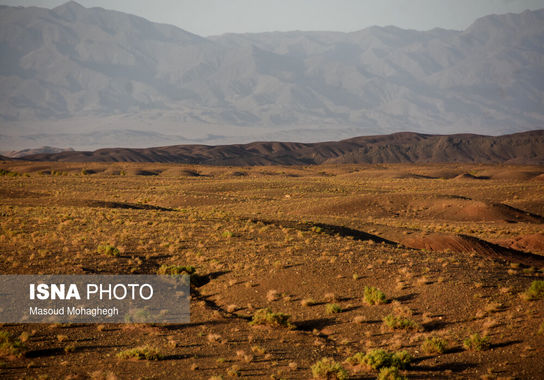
x,y
405,147
528,243
470,244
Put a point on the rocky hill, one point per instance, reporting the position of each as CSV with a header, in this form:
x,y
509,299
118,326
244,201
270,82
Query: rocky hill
x,y
405,147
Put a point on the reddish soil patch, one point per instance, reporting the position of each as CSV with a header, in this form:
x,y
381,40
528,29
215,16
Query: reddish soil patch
x,y
462,243
529,243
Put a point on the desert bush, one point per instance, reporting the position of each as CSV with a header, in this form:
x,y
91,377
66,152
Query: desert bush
x,y
333,308
377,359
188,270
475,342
535,291
141,353
374,296
434,345
176,269
317,229
328,369
107,249
10,346
400,323
541,329
390,373
8,173
268,318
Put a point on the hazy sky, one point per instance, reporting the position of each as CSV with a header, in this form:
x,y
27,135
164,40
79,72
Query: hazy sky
x,y
209,17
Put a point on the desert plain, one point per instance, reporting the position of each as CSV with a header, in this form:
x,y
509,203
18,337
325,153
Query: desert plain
x,y
448,251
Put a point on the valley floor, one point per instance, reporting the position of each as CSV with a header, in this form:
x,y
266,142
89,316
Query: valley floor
x,y
453,247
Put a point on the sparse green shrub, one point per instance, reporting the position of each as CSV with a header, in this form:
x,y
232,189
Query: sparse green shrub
x,y
374,296
10,346
53,172
227,234
109,250
141,353
333,308
328,369
401,359
476,342
189,270
379,358
268,318
390,373
541,329
434,345
400,323
535,291
317,229
8,173
176,269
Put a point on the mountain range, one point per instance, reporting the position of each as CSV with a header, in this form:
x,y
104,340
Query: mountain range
x,y
402,147
90,78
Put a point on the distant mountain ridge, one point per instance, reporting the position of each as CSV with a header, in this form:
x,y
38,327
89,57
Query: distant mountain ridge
x,y
40,150
110,77
403,147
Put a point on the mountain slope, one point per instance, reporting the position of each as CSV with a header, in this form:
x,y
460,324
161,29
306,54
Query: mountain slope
x,y
73,70
406,147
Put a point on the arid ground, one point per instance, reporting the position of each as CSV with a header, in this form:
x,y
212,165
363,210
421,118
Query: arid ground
x,y
454,248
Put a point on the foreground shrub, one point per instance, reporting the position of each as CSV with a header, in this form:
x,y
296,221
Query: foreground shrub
x,y
535,291
108,250
475,342
333,308
328,369
176,269
390,373
267,318
140,353
374,296
10,346
400,323
377,359
434,345
183,270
